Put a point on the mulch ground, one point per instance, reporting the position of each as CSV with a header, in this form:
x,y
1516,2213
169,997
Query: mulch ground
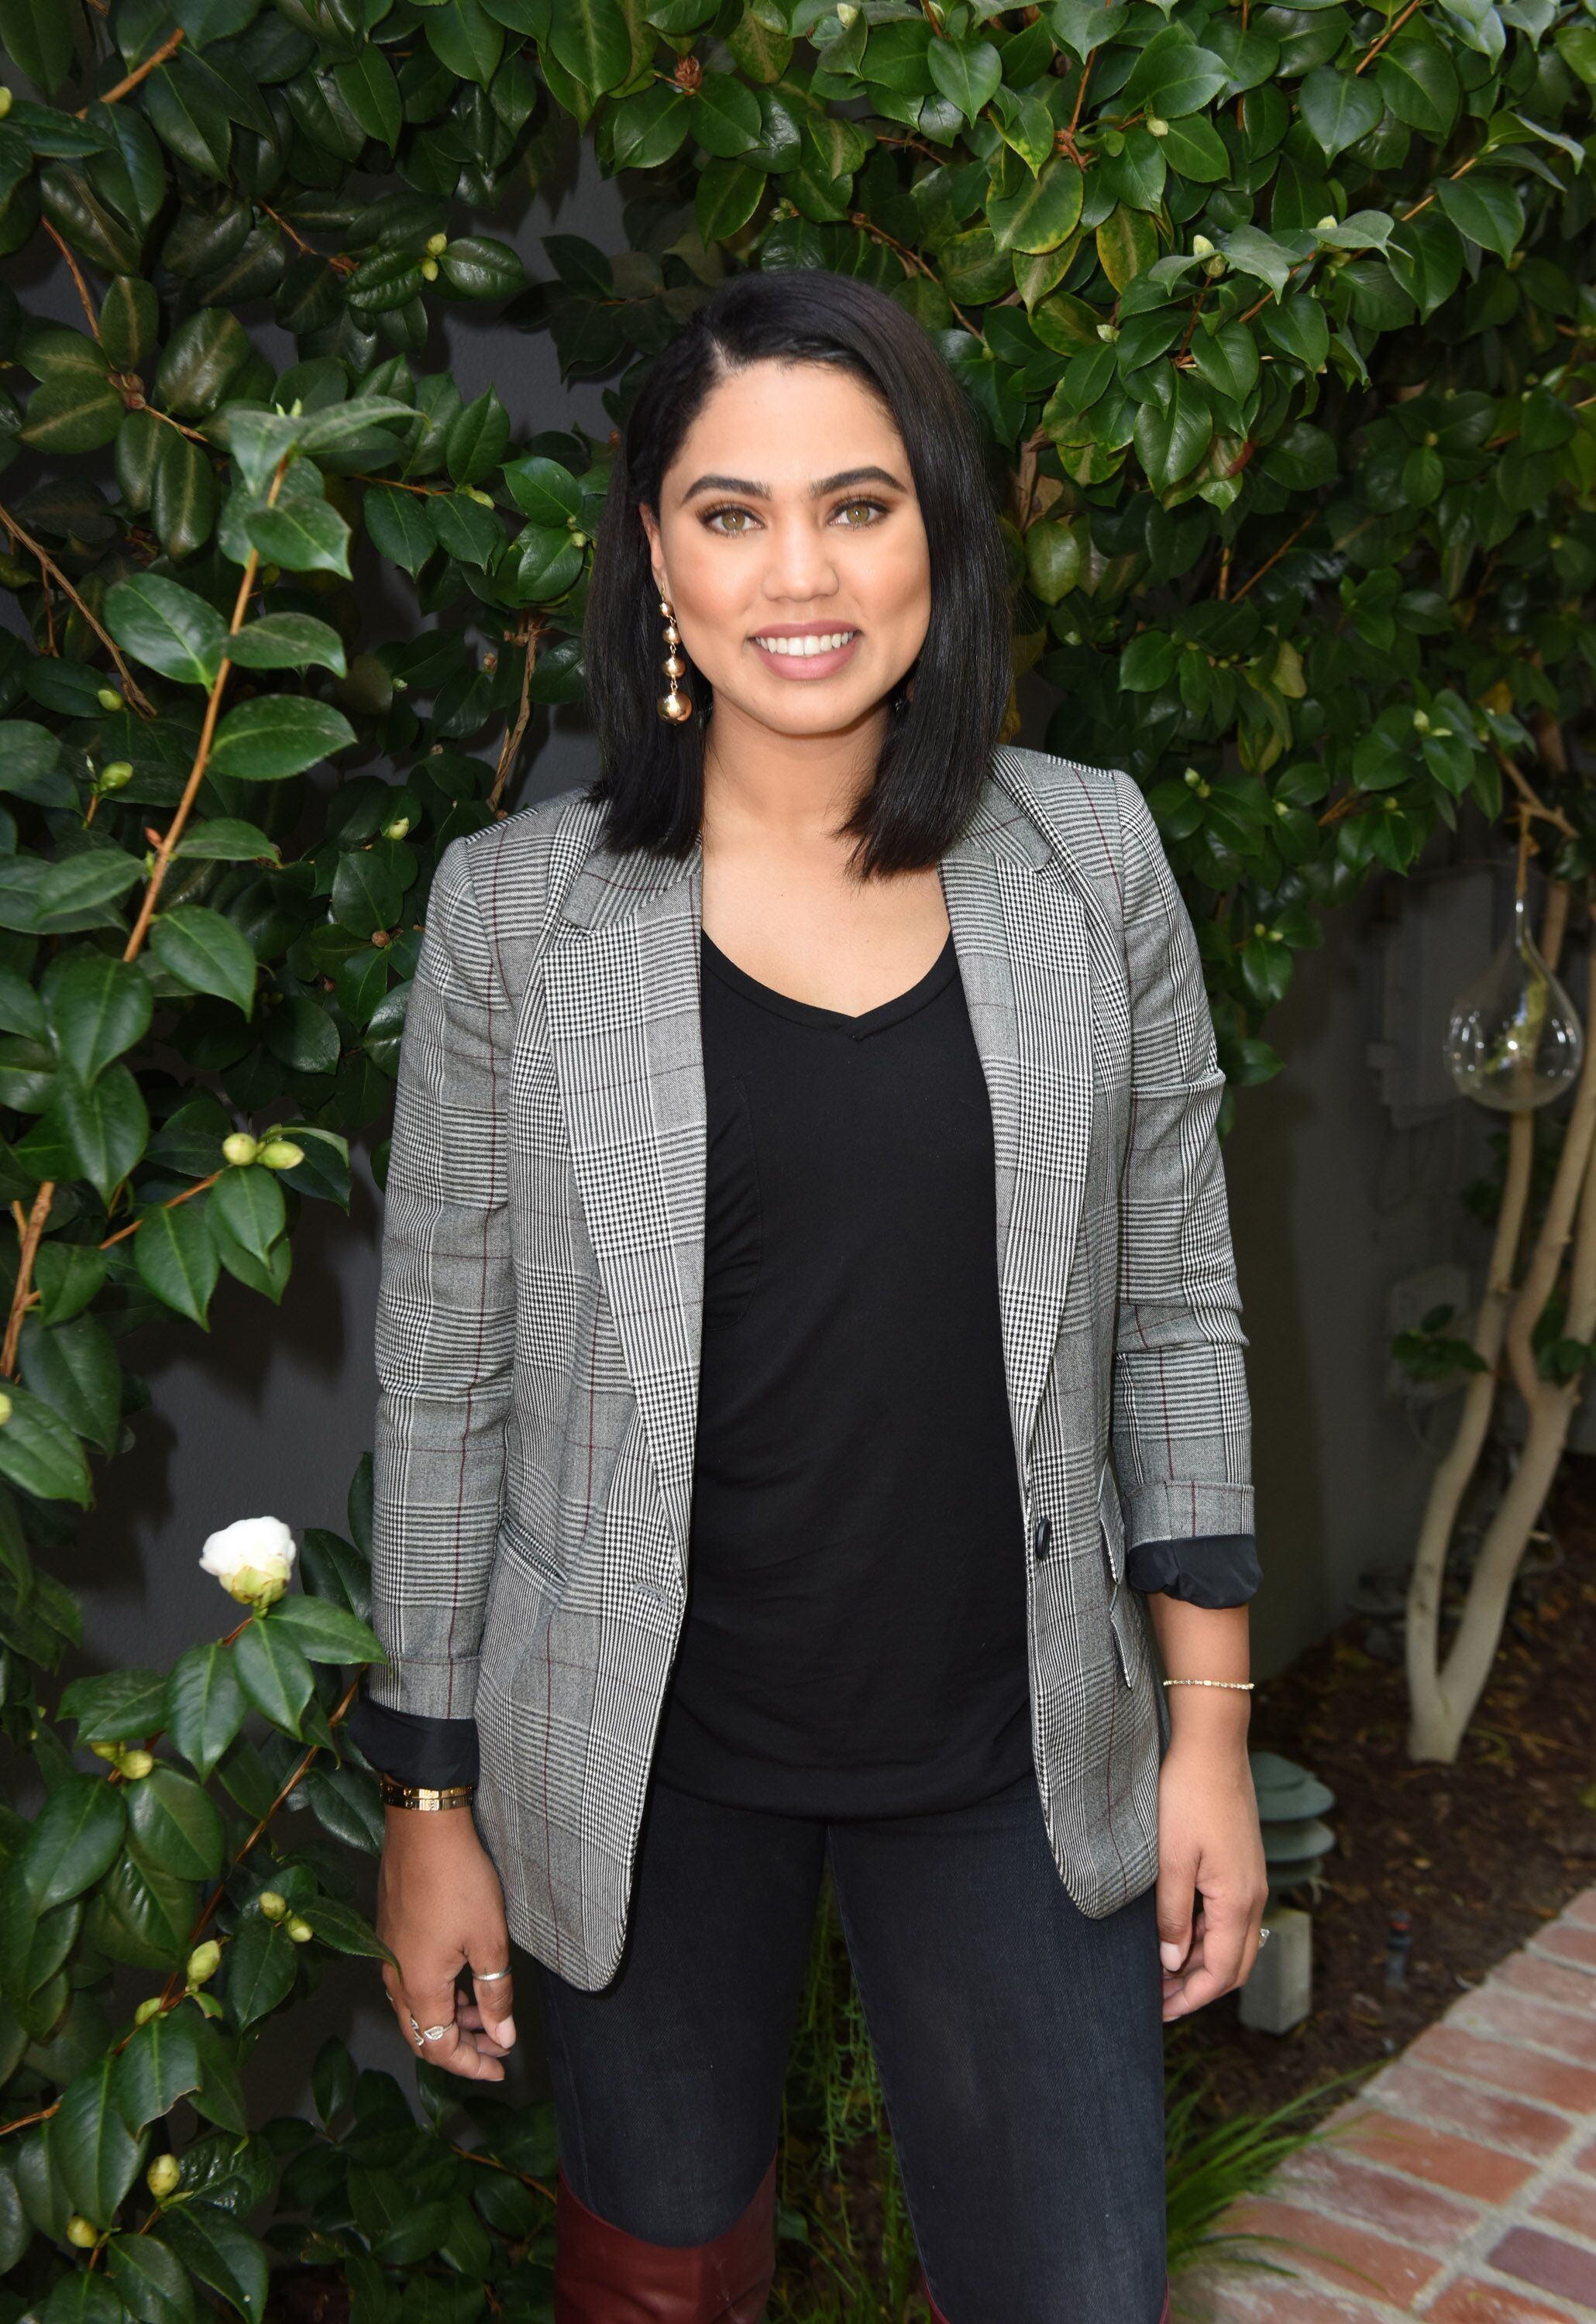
x,y
1477,1855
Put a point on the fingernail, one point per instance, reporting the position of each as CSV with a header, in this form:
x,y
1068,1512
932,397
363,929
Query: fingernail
x,y
1171,1956
507,2035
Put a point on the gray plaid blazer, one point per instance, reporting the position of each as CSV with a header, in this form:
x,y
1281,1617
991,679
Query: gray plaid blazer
x,y
540,1308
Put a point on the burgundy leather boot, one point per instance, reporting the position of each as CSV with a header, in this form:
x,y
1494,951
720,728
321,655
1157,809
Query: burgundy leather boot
x,y
602,2275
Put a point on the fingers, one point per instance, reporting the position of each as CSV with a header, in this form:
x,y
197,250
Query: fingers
x,y
439,2034
1176,1899
1223,1949
494,1995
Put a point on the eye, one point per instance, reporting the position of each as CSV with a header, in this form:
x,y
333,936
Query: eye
x,y
730,531
858,514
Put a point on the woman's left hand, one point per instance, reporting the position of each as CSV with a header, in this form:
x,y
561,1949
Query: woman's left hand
x,y
1211,1881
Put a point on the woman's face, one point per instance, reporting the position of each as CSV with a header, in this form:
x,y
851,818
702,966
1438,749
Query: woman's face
x,y
789,539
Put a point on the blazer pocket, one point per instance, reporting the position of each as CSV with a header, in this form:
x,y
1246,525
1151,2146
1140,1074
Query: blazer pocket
x,y
521,1545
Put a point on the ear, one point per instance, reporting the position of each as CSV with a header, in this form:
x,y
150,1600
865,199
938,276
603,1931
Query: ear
x,y
650,525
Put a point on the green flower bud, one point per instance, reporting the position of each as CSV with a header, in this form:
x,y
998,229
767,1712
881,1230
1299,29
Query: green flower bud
x,y
436,243
114,776
1191,778
1201,246
430,270
274,1906
1108,332
4,1408
1157,128
148,2008
281,1154
1258,928
82,2232
299,1930
240,1148
111,1751
1327,225
109,699
163,2177
397,829
204,1962
580,540
1215,268
483,500
5,103
136,1765
1421,722
847,14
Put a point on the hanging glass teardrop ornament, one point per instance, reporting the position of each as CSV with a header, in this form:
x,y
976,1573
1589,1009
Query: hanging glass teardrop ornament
x,y
1515,1040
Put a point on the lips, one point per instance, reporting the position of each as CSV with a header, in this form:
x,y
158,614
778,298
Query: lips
x,y
806,656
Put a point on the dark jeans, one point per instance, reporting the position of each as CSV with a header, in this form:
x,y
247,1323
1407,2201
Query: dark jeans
x,y
1019,2046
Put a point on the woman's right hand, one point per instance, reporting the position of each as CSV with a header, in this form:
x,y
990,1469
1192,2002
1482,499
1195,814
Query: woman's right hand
x,y
440,1910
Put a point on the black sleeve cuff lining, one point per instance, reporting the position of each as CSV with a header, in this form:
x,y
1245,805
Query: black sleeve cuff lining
x,y
1216,1569
435,1752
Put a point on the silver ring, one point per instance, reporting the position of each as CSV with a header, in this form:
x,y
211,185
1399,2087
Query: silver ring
x,y
489,1975
1264,1934
431,2033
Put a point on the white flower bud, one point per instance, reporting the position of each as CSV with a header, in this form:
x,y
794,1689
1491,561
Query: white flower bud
x,y
252,1560
436,243
163,2176
281,1154
240,1148
1326,225
1201,246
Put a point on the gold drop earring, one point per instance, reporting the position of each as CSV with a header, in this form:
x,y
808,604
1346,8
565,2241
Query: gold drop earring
x,y
675,706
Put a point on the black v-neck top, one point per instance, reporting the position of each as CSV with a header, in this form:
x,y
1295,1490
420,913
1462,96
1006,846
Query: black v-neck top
x,y
856,1633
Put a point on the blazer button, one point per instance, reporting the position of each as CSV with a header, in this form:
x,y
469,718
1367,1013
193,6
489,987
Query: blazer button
x,y
1044,1537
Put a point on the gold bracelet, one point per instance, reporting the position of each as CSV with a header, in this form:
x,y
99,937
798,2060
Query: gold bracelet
x,y
1238,1685
425,1796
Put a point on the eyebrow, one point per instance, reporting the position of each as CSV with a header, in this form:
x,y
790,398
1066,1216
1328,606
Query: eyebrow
x,y
755,492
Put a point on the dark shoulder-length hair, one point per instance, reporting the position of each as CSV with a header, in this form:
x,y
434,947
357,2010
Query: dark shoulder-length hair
x,y
942,731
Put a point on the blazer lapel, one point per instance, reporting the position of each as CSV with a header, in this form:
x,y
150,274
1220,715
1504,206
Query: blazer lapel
x,y
1022,942
623,1000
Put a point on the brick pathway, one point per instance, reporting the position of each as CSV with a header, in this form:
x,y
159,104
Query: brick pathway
x,y
1461,2184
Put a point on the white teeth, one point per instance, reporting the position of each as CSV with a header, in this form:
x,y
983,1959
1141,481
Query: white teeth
x,y
807,646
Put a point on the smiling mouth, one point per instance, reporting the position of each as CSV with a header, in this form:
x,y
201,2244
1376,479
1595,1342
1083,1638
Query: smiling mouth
x,y
805,648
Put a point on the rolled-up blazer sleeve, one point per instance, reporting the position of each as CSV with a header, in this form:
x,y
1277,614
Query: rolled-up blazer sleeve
x,y
446,1312
1180,1419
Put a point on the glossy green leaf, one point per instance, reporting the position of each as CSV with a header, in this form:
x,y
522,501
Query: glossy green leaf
x,y
325,1633
212,2245
174,1826
281,734
369,90
273,1674
152,2282
205,1704
306,536
93,2148
205,951
177,1259
159,2066
98,1008
167,627
75,1839
74,1368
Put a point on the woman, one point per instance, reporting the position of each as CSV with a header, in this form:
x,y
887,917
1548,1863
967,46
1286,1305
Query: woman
x,y
808,1346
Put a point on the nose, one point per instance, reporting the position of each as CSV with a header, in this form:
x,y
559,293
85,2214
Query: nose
x,y
800,566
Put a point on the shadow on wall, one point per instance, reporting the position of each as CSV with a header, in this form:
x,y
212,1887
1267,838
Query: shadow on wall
x,y
1333,1207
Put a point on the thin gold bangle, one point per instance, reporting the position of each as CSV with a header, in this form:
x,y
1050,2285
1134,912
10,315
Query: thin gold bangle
x,y
1236,1685
426,1797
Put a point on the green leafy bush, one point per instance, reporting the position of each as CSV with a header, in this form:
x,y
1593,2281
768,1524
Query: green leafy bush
x,y
1278,320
